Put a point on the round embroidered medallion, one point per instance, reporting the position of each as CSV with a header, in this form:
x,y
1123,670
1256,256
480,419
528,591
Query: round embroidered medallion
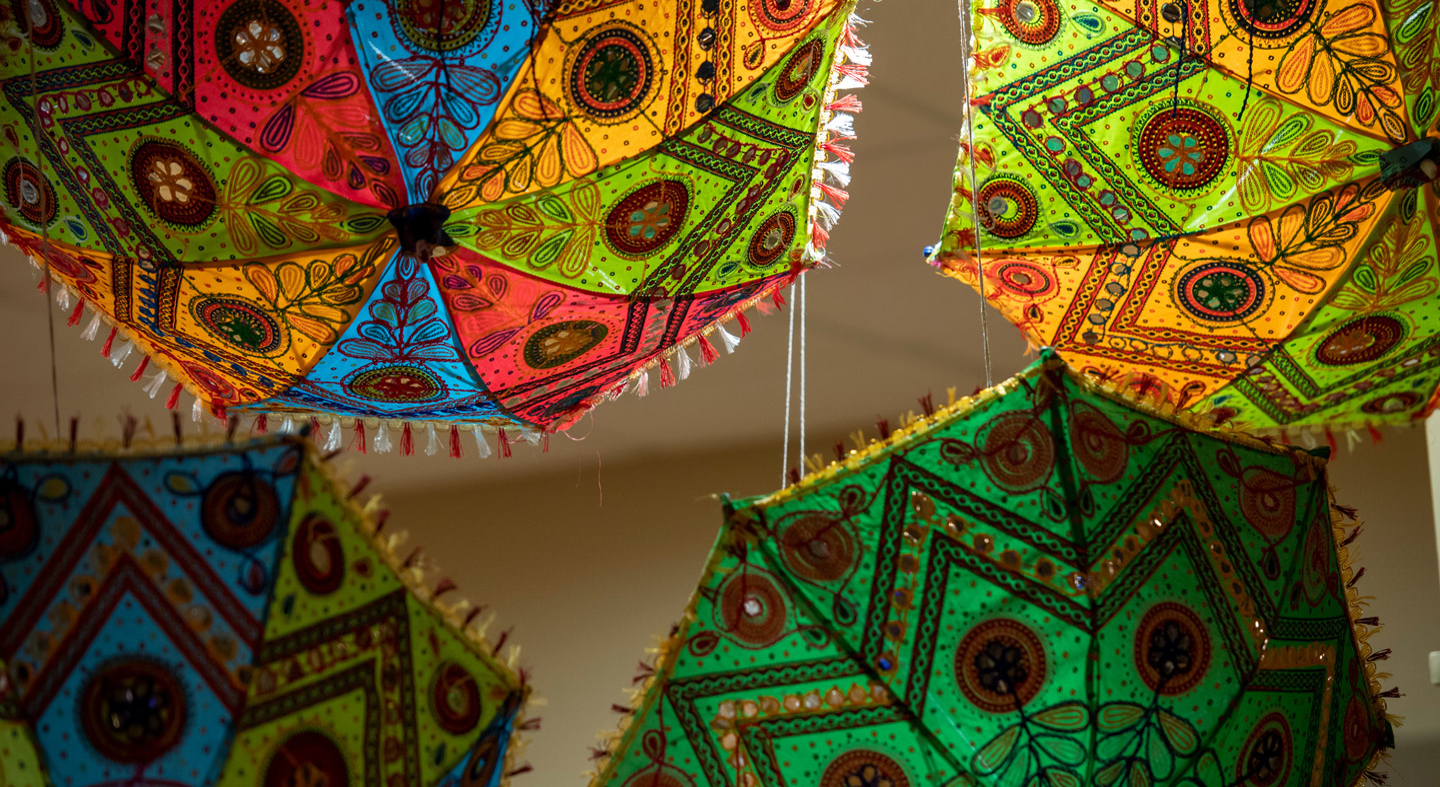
x,y
29,192
560,343
818,547
1360,340
864,768
1220,291
239,510
398,384
1183,147
771,240
172,183
1172,649
133,711
1008,208
259,43
1000,665
443,25
800,67
456,698
238,323
307,758
317,555
647,218
610,74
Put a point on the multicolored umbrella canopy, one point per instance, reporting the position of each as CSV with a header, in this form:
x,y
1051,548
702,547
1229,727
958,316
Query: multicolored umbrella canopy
x,y
1235,202
1039,586
446,210
229,616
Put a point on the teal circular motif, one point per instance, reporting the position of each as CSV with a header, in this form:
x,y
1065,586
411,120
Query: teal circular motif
x,y
397,384
29,192
1220,291
1183,147
560,343
239,323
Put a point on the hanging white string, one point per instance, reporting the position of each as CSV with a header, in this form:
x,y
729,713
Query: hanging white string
x,y
967,48
789,366
802,374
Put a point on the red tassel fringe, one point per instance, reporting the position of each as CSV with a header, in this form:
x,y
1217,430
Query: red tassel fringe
x,y
76,315
455,452
174,397
744,324
407,441
359,436
667,377
707,352
139,370
504,441
109,341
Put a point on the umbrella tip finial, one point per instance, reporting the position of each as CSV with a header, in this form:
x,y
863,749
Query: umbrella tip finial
x,y
1411,165
421,229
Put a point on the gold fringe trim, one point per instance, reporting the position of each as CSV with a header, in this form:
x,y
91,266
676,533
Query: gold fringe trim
x,y
1340,530
914,428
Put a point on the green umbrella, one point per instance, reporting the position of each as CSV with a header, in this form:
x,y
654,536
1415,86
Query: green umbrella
x,y
1042,586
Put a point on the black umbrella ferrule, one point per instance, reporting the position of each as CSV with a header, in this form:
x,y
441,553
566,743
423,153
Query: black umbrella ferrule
x,y
1412,165
421,229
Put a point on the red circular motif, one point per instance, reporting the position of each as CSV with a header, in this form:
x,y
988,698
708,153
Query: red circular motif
x,y
1268,753
239,510
215,385
1392,403
456,698
1033,22
818,547
1222,291
1360,735
1008,208
1183,148
780,16
238,323
799,69
647,218
752,608
1017,452
317,555
772,240
40,21
1267,499
1000,665
173,183
1361,340
1098,443
307,759
864,768
80,271
133,711
1272,19
1025,279
30,193
611,74
1172,649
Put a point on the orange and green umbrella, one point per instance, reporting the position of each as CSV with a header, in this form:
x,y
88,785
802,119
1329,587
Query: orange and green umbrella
x,y
1231,201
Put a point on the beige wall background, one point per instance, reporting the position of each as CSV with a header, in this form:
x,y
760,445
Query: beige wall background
x,y
592,549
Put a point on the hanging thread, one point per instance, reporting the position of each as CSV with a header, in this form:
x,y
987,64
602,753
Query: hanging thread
x,y
789,367
44,227
974,190
802,373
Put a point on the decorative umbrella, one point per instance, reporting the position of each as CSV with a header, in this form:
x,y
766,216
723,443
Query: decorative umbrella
x,y
1040,586
423,210
1235,202
230,616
